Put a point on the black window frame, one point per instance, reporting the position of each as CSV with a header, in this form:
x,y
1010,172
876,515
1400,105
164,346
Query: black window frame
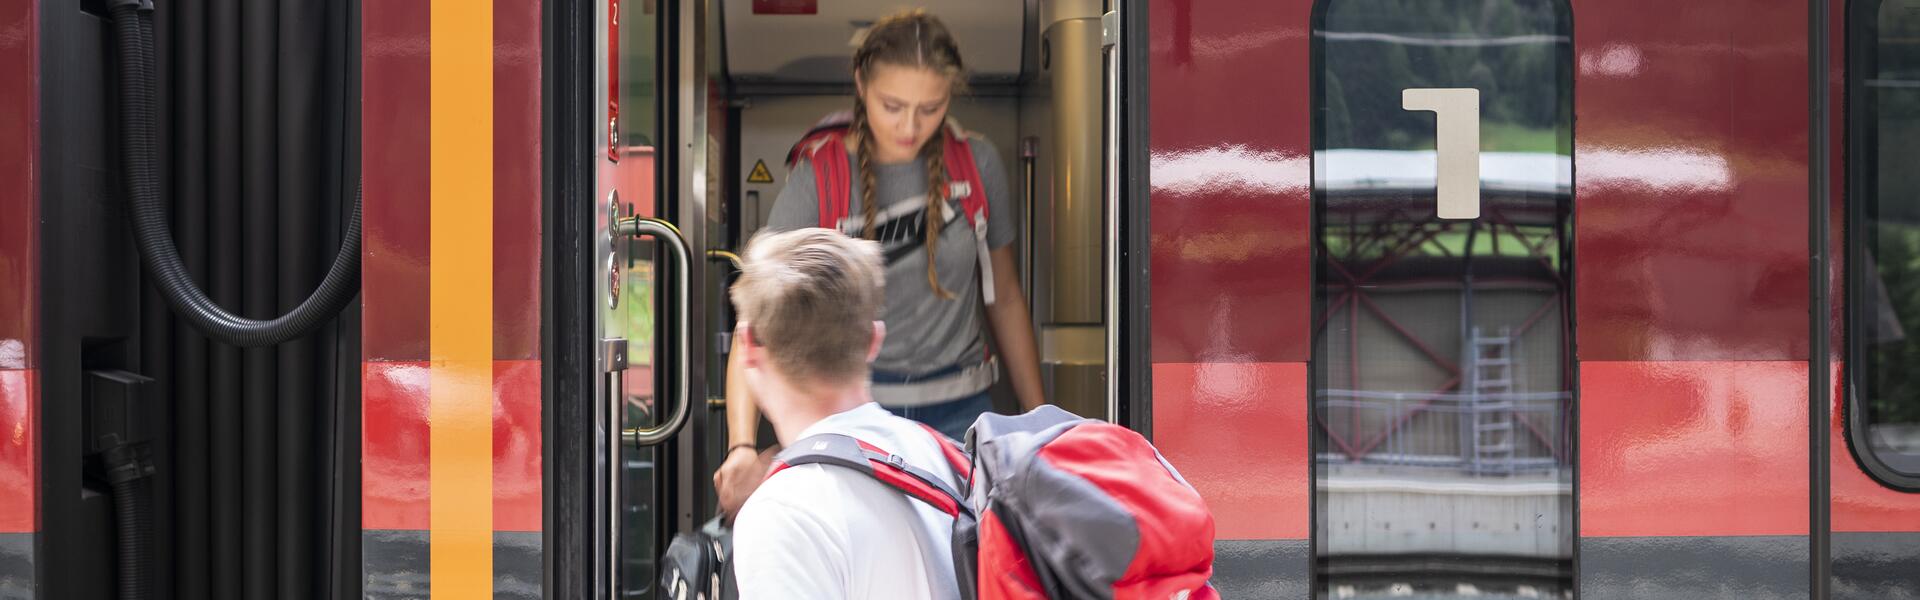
x,y
1862,163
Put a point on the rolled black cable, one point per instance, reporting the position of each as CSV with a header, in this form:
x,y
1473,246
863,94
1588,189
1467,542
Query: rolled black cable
x,y
153,234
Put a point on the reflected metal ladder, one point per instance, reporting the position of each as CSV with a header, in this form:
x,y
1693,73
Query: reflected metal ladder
x,y
1490,403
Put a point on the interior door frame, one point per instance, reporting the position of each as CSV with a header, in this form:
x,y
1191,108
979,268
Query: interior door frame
x,y
1135,322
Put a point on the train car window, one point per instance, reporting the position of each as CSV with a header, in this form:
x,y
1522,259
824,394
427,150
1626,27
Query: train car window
x,y
1443,385
1883,266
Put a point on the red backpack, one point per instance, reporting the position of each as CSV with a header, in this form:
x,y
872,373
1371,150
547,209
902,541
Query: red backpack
x,y
825,148
1056,507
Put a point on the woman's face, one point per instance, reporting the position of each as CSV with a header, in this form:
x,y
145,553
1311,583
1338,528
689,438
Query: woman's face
x,y
905,107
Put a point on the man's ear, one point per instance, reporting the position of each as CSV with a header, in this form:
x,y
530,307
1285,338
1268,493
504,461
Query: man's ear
x,y
751,352
879,335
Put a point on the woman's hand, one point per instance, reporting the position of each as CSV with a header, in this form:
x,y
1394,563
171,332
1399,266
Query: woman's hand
x,y
736,479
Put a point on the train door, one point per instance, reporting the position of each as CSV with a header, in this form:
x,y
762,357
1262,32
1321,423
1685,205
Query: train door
x,y
693,105
1043,90
626,397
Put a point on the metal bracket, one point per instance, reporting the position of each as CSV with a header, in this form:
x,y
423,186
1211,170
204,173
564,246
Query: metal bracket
x,y
1110,29
613,355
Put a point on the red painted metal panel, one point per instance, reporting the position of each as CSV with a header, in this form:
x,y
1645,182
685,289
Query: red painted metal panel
x,y
1693,448
19,196
394,155
1861,504
1690,161
516,180
1837,151
516,445
19,452
613,80
1238,433
1232,279
395,447
786,7
19,270
396,453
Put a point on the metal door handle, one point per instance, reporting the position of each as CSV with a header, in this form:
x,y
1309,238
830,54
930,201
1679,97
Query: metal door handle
x,y
725,255
1030,180
722,338
669,237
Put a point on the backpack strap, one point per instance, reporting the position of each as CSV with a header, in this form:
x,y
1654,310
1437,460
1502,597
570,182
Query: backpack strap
x,y
956,458
960,167
824,147
890,469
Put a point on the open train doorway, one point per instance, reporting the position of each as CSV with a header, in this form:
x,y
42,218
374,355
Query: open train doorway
x,y
1035,97
697,108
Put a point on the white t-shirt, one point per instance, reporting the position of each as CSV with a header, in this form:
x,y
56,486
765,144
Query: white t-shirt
x,y
829,533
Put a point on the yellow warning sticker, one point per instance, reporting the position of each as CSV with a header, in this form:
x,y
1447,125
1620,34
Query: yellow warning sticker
x,y
760,173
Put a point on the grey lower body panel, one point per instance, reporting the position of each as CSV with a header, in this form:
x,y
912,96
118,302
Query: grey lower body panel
x,y
396,565
1261,568
517,566
1866,566
16,566
1876,566
1694,568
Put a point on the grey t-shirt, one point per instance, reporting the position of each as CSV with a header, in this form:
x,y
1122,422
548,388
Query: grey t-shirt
x,y
925,333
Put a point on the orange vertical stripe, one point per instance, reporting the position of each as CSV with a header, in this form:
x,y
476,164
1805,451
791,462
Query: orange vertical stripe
x,y
461,300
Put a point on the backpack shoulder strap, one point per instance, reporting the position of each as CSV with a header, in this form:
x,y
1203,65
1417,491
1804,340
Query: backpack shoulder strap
x,y
825,149
890,469
956,458
962,170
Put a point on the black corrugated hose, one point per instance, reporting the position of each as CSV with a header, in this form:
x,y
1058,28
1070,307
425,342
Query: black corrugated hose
x,y
129,470
133,25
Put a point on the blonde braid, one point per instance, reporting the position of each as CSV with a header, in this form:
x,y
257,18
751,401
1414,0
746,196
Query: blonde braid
x,y
868,207
936,151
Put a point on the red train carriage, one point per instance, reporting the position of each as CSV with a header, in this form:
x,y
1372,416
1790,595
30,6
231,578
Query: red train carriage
x,y
1429,299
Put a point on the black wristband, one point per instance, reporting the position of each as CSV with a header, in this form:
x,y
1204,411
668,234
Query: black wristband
x,y
748,445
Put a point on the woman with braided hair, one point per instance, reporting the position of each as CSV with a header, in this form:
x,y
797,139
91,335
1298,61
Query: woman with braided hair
x,y
898,171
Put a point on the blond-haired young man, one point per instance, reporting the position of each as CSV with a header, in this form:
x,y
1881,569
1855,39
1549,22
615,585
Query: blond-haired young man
x,y
809,302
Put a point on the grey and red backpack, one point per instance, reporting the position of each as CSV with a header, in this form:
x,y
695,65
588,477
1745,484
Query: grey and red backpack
x,y
1055,506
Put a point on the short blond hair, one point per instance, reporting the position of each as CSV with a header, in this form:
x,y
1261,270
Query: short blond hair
x,y
811,296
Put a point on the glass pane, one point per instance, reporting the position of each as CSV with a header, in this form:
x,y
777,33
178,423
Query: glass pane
x,y
719,270
1443,390
634,176
1887,310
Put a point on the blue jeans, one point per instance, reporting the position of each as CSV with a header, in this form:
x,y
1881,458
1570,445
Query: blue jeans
x,y
951,417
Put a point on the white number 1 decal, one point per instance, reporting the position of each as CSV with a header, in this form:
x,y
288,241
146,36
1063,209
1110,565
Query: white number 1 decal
x,y
1457,142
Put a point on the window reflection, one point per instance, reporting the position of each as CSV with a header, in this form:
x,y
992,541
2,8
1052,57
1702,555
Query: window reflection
x,y
635,175
1885,290
1443,358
